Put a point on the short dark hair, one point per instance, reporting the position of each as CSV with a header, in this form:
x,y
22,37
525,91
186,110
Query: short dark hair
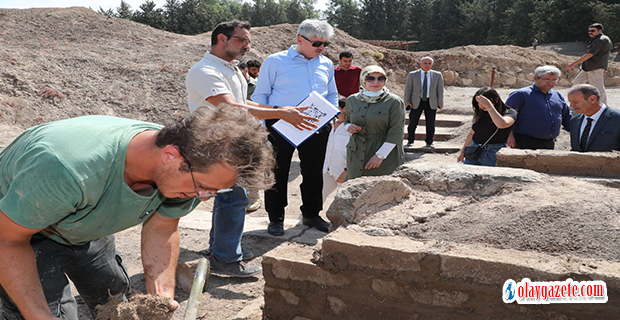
x,y
596,25
242,65
587,91
254,63
228,28
228,135
345,54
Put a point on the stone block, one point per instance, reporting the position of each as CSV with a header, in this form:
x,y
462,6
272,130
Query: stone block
x,y
455,178
364,196
593,164
359,250
293,263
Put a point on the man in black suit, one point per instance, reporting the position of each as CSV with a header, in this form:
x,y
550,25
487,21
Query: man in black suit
x,y
597,127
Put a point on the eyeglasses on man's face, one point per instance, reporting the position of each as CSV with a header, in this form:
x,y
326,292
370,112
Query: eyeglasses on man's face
x,y
202,195
317,44
592,30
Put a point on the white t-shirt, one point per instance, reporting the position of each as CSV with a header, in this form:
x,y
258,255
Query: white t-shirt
x,y
213,76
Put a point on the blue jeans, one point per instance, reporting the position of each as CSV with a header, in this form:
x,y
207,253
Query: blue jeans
x,y
94,268
489,155
227,225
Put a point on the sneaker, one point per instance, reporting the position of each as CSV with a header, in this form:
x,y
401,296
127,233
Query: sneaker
x,y
247,255
429,146
316,222
409,145
237,269
255,201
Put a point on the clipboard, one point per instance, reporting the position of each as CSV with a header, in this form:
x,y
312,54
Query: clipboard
x,y
319,108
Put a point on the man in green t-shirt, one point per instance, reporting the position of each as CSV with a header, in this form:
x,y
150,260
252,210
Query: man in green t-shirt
x,y
66,187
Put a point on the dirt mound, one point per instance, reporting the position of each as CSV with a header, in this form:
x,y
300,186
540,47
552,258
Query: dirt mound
x,y
61,63
139,307
502,207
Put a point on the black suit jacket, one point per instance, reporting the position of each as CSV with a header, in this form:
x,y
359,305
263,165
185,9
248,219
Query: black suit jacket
x,y
604,137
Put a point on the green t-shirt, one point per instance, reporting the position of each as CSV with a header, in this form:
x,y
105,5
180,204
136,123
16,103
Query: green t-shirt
x,y
67,177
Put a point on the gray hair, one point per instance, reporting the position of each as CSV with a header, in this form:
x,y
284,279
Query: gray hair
x,y
311,28
427,58
587,91
543,70
223,135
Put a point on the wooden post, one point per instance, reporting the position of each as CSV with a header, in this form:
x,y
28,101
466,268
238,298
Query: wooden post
x,y
492,77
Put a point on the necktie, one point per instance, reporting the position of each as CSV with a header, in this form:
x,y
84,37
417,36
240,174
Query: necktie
x,y
583,143
425,87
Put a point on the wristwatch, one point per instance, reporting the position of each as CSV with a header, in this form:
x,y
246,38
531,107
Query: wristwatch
x,y
380,156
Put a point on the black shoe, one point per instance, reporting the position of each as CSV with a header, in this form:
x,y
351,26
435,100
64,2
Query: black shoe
x,y
276,228
316,222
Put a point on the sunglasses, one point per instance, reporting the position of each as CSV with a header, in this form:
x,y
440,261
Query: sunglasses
x,y
317,44
592,30
380,78
202,195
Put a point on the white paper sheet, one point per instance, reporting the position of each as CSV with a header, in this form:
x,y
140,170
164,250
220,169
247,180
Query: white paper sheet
x,y
319,108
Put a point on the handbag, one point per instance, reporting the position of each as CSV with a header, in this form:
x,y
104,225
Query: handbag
x,y
473,152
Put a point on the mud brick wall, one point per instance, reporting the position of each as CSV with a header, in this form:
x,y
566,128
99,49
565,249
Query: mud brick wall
x,y
593,164
357,276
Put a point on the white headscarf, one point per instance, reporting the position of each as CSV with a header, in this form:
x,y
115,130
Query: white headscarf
x,y
366,95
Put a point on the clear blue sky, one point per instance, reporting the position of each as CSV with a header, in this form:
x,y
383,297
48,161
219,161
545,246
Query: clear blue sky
x,y
94,4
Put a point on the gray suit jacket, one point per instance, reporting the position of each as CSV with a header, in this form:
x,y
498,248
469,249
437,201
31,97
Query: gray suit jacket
x,y
413,89
604,137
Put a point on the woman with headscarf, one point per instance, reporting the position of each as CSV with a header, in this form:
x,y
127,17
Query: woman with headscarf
x,y
377,119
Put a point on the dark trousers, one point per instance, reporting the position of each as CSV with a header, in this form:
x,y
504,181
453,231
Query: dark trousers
x,y
523,141
94,268
311,156
414,118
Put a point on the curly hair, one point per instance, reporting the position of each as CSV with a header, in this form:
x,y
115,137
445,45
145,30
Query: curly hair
x,y
225,134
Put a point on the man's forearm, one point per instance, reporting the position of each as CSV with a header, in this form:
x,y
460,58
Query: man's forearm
x,y
582,59
20,278
160,252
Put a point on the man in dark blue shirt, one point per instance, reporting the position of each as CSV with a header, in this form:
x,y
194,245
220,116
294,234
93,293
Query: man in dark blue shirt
x,y
541,111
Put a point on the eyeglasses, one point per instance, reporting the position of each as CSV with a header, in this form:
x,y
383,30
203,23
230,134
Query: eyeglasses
x,y
317,44
548,80
202,195
372,79
592,30
246,41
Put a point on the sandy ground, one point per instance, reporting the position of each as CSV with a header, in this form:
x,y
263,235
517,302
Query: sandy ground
x,y
232,298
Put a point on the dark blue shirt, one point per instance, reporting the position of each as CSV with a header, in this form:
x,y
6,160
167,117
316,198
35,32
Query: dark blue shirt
x,y
539,114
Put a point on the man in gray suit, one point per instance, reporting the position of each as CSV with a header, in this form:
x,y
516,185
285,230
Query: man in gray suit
x,y
597,127
423,93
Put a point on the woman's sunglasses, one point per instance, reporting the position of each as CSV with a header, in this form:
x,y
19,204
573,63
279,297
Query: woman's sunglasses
x,y
380,78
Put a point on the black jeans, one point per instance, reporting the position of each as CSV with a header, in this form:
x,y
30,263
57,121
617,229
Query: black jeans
x,y
311,156
414,118
94,268
523,141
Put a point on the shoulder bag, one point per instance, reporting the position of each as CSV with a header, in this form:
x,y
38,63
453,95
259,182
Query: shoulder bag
x,y
473,152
